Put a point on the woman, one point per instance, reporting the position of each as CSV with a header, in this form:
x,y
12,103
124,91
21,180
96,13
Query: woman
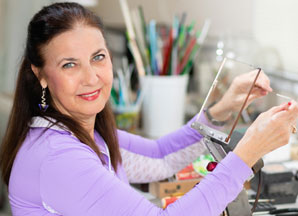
x,y
62,154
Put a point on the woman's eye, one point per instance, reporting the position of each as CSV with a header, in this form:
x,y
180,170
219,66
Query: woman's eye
x,y
99,57
68,65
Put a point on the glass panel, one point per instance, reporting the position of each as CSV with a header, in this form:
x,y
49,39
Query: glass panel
x,y
241,114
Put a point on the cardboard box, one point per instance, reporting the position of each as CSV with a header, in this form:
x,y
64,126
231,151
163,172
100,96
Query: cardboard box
x,y
165,188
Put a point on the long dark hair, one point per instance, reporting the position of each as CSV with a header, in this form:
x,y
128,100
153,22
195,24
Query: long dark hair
x,y
49,22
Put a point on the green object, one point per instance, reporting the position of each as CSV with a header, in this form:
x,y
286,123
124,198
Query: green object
x,y
189,63
127,121
181,37
201,163
146,52
144,28
190,27
114,96
192,55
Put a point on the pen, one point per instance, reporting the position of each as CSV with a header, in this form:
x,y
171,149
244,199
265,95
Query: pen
x,y
262,200
288,214
285,210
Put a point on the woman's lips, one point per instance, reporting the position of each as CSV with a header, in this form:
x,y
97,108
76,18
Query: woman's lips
x,y
90,96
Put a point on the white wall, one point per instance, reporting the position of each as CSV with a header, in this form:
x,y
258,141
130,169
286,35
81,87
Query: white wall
x,y
17,14
275,27
14,19
1,40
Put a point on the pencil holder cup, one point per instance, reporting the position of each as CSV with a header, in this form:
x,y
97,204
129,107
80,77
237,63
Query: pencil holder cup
x,y
163,105
127,117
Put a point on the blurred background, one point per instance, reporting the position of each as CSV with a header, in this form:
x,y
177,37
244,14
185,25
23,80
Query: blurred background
x,y
259,32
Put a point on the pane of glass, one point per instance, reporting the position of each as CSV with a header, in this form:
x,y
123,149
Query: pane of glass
x,y
231,71
228,71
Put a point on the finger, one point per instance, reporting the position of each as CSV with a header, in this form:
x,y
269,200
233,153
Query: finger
x,y
293,104
257,93
293,109
263,82
277,109
263,86
290,113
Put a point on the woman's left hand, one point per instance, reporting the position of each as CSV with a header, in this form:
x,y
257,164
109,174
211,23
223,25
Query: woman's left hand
x,y
271,130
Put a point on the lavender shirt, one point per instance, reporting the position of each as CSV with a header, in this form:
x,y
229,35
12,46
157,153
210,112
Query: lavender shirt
x,y
55,174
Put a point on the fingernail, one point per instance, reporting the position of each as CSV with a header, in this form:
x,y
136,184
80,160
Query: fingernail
x,y
289,103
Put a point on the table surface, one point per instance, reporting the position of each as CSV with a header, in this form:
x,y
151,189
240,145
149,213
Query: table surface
x,y
281,206
157,202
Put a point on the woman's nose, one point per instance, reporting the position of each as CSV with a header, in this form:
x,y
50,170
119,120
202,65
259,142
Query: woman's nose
x,y
90,75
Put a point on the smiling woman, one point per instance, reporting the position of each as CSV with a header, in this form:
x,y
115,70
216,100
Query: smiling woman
x,y
67,64
78,73
63,155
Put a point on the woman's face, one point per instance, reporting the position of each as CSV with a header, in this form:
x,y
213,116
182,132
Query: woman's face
x,y
78,71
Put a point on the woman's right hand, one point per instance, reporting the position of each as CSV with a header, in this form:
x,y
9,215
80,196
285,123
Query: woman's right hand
x,y
269,131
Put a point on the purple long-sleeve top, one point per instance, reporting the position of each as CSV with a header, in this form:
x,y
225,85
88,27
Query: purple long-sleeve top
x,y
55,174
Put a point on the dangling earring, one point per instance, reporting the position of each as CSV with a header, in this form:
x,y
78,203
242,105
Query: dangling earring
x,y
43,106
